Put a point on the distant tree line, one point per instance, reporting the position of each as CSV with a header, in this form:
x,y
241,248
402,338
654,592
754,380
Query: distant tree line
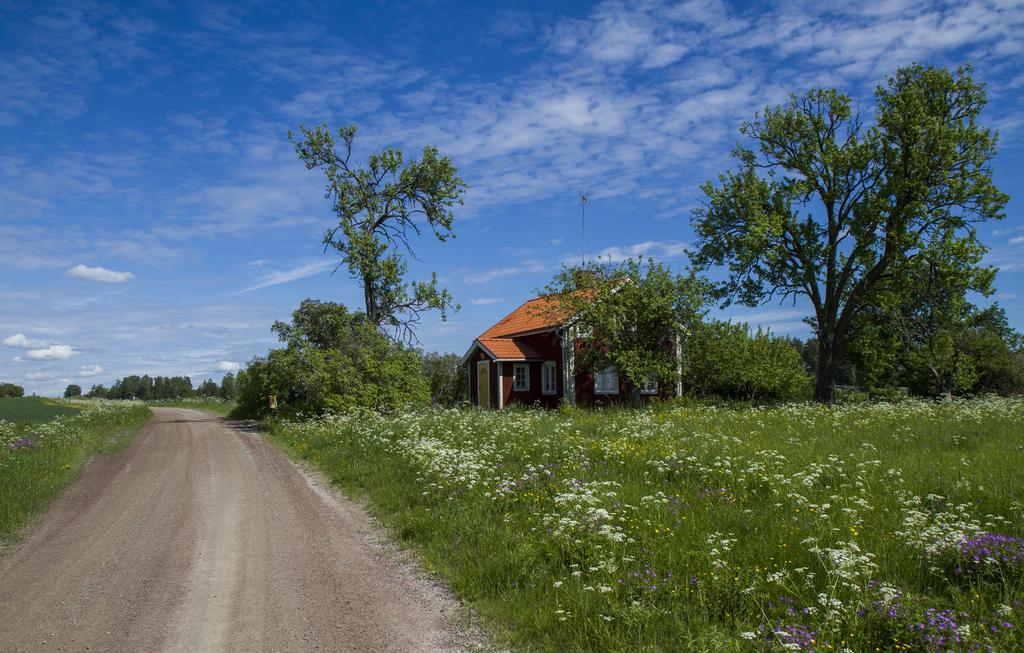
x,y
11,390
161,387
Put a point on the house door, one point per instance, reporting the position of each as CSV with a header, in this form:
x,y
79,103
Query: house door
x,y
483,383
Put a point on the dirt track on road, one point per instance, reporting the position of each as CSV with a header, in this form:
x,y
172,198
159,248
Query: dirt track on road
x,y
203,537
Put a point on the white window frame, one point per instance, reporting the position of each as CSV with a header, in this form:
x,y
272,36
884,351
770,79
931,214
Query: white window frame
x,y
548,372
650,385
517,377
606,381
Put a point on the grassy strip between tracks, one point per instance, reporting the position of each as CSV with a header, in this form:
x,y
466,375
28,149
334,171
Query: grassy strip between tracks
x,y
45,444
797,528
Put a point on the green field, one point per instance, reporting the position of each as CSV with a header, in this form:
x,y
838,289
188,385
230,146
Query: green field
x,y
799,528
45,444
22,410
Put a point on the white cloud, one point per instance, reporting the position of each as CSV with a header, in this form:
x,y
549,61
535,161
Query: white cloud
x,y
484,301
275,278
525,267
53,352
19,340
659,251
90,370
1003,232
102,275
228,366
1017,241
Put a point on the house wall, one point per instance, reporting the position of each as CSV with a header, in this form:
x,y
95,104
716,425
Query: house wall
x,y
474,399
548,347
585,395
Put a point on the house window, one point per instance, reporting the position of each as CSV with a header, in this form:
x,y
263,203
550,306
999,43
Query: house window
x,y
521,377
650,385
606,381
548,378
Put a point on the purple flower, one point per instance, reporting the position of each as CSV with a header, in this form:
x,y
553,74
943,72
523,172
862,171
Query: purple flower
x,y
938,629
986,549
804,638
23,443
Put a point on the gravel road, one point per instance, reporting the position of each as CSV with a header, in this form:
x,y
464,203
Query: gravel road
x,y
203,537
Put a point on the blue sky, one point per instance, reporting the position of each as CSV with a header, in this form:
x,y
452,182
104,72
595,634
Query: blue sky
x,y
155,219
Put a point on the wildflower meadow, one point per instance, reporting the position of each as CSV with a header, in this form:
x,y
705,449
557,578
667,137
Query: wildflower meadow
x,y
874,527
44,444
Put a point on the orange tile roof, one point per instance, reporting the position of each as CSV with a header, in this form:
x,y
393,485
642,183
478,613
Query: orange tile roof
x,y
508,348
536,314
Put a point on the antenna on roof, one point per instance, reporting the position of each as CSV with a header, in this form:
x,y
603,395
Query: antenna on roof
x,y
583,226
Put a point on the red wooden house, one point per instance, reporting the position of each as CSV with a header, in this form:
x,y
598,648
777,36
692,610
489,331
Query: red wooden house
x,y
527,358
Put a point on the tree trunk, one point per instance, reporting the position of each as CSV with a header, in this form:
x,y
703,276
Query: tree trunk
x,y
825,375
372,310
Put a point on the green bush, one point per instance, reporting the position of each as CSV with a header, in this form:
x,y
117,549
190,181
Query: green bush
x,y
725,360
448,379
890,394
334,361
849,396
11,390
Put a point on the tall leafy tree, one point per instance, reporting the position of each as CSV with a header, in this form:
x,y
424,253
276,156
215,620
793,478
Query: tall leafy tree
x,y
922,331
825,208
73,390
630,314
208,388
925,307
334,359
325,325
997,351
449,381
380,207
228,387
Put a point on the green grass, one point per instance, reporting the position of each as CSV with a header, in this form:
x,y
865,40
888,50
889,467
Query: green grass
x,y
45,444
21,410
700,528
219,406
